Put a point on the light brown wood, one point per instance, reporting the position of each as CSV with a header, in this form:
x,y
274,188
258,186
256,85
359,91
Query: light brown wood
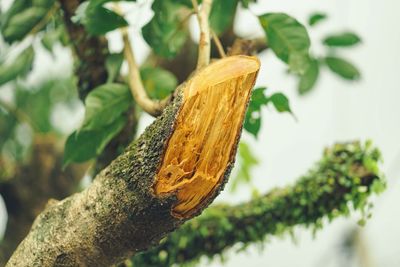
x,y
200,149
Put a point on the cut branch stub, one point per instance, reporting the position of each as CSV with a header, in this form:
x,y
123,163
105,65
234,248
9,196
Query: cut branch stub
x,y
203,144
167,176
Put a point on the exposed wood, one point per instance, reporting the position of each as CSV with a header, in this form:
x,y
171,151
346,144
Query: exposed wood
x,y
201,148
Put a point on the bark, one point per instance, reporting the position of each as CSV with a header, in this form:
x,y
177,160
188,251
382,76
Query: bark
x,y
116,216
119,214
344,178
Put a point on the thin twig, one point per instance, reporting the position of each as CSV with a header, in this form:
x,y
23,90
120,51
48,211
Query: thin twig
x,y
45,19
153,107
218,44
204,43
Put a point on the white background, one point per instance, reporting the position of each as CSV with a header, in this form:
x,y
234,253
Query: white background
x,y
334,111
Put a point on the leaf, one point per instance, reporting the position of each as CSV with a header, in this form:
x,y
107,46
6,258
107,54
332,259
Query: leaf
x,y
246,3
222,14
281,102
252,123
22,23
316,18
8,124
343,68
286,36
87,144
309,78
342,39
51,37
19,67
105,104
159,83
15,8
247,161
113,66
97,19
298,62
37,102
164,33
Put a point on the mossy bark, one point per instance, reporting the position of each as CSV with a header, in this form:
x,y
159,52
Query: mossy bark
x,y
342,181
115,217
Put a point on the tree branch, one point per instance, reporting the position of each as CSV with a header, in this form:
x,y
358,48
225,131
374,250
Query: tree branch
x,y
152,107
130,205
218,44
344,178
204,42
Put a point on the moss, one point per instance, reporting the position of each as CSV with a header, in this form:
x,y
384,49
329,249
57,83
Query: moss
x,y
340,183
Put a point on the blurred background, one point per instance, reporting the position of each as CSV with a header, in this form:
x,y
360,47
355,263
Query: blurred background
x,y
334,111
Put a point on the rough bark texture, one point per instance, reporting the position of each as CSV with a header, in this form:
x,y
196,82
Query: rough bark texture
x,y
342,180
106,222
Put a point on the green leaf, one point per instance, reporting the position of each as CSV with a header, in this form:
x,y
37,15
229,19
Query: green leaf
x,y
252,123
87,144
287,37
246,3
281,102
343,68
38,101
316,18
299,62
342,39
222,14
8,124
51,37
43,3
105,104
18,68
247,161
113,66
16,8
159,83
309,78
164,33
22,23
97,19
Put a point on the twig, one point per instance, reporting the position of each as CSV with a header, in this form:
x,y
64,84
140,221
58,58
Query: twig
x,y
204,43
152,107
45,19
218,44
